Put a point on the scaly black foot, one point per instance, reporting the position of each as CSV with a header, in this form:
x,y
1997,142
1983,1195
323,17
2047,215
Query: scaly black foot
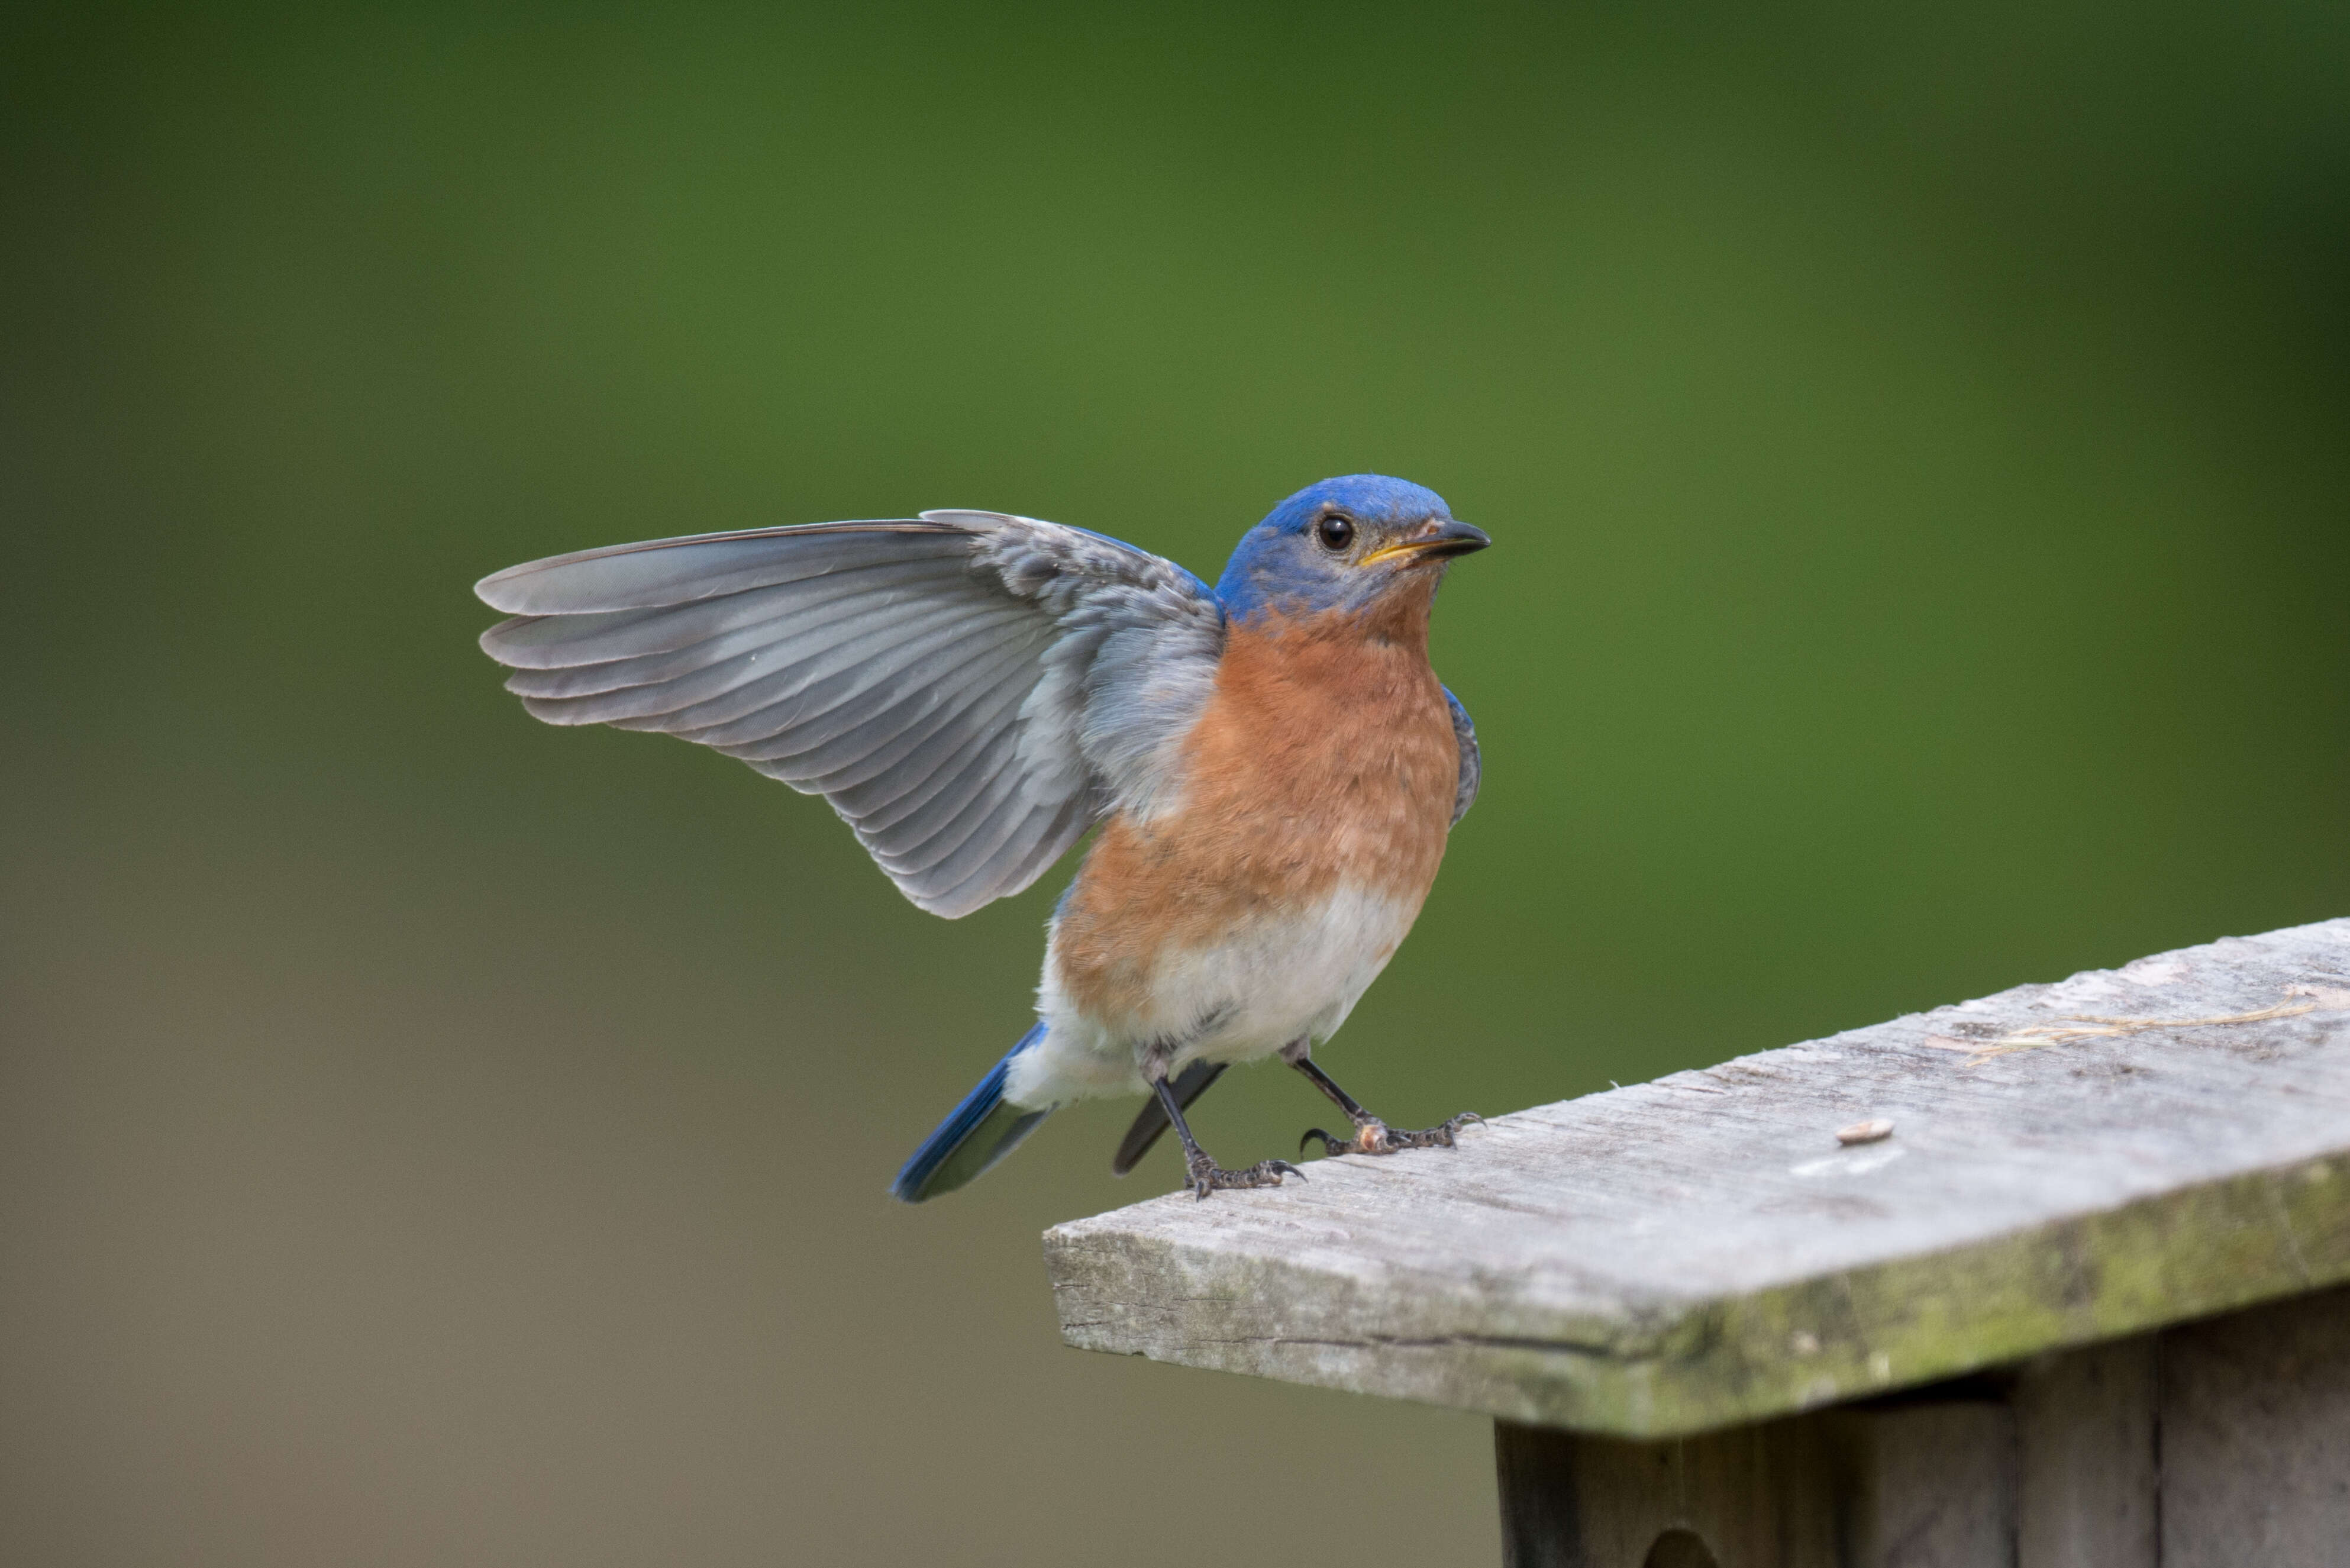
x,y
1203,1176
1373,1136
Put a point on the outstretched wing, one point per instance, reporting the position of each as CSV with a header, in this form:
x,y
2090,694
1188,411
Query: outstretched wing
x,y
1472,764
970,690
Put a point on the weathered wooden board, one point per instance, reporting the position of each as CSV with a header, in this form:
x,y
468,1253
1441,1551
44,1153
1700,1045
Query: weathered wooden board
x,y
2088,1456
2256,1439
1930,1485
1699,1250
2209,1444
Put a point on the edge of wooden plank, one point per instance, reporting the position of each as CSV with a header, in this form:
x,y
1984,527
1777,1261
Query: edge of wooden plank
x,y
1633,1356
1675,1370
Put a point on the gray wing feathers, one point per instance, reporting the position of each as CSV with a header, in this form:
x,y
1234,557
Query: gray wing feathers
x,y
969,691
1472,766
665,572
1135,659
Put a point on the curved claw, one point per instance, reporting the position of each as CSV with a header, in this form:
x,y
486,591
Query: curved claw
x,y
1205,1177
1329,1145
1457,1123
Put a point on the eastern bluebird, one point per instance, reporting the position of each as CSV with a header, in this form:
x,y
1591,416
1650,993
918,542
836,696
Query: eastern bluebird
x,y
1273,763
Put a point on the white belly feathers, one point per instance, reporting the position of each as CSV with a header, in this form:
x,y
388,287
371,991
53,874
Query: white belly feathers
x,y
1267,983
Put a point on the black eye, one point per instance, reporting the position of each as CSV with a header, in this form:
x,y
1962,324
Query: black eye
x,y
1336,531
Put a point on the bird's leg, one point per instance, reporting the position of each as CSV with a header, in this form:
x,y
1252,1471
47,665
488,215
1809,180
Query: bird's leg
x,y
1372,1136
1202,1175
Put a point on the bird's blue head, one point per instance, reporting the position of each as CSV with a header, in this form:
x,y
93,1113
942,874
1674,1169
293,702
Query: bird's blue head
x,y
1344,543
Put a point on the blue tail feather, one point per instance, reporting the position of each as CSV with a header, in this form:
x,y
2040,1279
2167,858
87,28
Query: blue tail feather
x,y
977,1133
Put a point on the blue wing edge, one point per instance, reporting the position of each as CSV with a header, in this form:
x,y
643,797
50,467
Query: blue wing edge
x,y
1473,766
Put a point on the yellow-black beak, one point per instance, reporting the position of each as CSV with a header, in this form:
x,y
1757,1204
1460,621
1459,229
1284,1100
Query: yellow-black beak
x,y
1437,542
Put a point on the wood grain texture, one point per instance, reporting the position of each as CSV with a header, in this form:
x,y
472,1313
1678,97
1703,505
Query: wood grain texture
x,y
1922,1483
1698,1251
2256,1438
1766,1496
2088,1468
1935,1487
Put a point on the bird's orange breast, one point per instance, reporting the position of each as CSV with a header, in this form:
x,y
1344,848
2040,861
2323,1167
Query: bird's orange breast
x,y
1325,758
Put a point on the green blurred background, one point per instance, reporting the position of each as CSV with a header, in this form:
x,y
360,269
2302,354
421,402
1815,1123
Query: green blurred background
x,y
1917,443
